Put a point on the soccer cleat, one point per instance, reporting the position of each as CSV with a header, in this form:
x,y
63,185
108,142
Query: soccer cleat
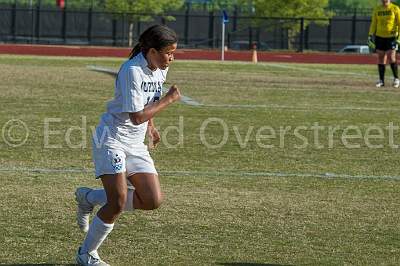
x,y
396,83
87,259
380,84
84,208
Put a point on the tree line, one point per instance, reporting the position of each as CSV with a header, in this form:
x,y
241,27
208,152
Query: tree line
x,y
307,7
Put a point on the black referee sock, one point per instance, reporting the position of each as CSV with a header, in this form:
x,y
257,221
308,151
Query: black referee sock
x,y
381,68
394,68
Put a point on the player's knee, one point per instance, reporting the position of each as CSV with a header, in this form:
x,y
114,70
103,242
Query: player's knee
x,y
154,202
158,201
117,205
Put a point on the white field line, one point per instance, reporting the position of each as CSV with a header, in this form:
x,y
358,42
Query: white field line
x,y
103,70
303,108
190,101
213,173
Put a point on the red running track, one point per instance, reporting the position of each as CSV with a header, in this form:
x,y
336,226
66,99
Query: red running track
x,y
90,51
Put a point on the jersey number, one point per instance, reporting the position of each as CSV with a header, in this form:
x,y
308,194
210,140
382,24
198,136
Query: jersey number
x,y
156,99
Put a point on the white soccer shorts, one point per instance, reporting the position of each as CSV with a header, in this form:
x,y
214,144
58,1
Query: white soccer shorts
x,y
109,160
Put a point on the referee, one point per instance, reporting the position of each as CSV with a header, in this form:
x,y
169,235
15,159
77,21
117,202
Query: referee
x,y
385,26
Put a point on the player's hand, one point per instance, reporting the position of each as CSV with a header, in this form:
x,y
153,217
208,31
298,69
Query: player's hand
x,y
154,137
371,43
173,94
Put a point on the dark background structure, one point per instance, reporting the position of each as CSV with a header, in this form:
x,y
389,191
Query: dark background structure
x,y
196,28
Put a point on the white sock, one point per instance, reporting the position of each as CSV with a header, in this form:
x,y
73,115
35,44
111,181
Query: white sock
x,y
99,197
98,231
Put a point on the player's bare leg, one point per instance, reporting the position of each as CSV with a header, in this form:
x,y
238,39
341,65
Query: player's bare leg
x,y
381,68
147,194
393,65
116,191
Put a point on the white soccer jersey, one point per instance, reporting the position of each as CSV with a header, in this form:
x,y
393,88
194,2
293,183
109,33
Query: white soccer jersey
x,y
135,87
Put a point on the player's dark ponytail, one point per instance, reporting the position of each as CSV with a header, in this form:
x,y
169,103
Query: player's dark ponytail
x,y
157,37
135,51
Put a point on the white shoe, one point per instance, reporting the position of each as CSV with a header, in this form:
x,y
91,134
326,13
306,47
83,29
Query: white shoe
x,y
87,259
380,84
396,83
84,208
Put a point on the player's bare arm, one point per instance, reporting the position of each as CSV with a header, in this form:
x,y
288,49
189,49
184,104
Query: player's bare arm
x,y
150,111
153,134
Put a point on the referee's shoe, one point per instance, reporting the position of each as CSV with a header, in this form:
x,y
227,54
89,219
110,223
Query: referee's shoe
x,y
380,84
396,83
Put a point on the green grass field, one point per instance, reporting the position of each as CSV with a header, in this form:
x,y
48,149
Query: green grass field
x,y
270,195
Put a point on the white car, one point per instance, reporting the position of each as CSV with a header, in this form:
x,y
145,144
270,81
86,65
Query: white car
x,y
355,49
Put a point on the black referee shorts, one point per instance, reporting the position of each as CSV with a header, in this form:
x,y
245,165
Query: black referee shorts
x,y
385,44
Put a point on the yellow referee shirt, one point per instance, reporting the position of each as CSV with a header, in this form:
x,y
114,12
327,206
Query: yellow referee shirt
x,y
385,21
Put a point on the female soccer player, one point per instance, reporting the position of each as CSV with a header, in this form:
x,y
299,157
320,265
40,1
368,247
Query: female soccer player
x,y
119,153
385,25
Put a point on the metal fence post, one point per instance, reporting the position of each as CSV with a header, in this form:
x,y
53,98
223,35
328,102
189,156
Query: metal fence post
x,y
329,35
32,23
258,33
139,30
14,21
235,15
301,44
250,38
353,27
64,24
89,28
38,12
275,34
211,29
123,29
306,36
114,31
186,29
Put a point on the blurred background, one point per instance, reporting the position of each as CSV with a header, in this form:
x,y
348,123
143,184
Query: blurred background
x,y
323,25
